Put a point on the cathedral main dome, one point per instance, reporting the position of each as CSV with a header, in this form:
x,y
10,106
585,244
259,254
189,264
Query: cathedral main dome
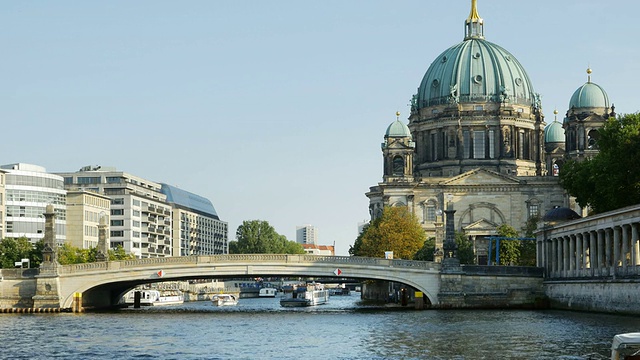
x,y
475,71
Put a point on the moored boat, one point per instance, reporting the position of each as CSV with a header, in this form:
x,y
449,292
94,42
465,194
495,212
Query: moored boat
x,y
224,300
268,292
626,347
154,297
305,295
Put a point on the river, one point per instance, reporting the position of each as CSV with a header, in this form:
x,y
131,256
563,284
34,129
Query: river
x,y
342,329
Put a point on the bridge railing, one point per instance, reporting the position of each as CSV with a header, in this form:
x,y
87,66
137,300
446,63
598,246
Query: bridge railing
x,y
244,258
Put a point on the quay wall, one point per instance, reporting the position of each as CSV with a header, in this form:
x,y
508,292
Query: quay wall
x,y
607,296
17,288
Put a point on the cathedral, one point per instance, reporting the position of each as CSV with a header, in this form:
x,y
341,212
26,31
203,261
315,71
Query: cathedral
x,y
477,143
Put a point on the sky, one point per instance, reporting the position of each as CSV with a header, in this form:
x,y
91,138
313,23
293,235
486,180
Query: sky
x,y
273,110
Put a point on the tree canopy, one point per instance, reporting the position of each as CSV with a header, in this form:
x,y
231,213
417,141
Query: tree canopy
x,y
13,250
258,237
611,179
397,230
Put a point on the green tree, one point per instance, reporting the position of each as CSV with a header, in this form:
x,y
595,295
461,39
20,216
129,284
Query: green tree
x,y
115,254
355,248
36,253
397,230
13,250
528,248
610,180
427,251
258,237
465,248
509,249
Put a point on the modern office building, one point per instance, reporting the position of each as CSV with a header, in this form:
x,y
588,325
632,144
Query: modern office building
x,y
197,229
306,234
84,211
2,207
477,143
28,190
140,218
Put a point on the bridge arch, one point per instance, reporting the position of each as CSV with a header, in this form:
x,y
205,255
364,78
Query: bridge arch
x,y
104,282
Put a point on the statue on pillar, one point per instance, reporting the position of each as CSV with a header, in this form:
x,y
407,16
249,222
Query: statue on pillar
x,y
103,240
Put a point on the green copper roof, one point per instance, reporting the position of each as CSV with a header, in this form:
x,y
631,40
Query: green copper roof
x,y
589,95
554,133
398,129
474,71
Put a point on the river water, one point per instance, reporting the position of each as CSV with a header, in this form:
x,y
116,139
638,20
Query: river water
x,y
342,329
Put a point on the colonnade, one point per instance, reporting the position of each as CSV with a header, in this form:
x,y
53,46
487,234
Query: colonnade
x,y
606,245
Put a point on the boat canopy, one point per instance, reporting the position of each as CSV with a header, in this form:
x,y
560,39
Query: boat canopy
x,y
622,341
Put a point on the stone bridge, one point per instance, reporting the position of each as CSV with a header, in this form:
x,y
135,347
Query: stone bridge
x,y
103,283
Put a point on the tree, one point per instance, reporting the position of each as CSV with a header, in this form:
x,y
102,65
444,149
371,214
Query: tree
x,y
528,248
610,180
465,248
258,237
426,253
357,245
13,250
397,230
509,249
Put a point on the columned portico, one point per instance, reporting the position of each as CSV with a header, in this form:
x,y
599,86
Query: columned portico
x,y
604,245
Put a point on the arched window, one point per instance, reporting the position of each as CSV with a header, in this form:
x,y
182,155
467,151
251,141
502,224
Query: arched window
x,y
592,140
398,166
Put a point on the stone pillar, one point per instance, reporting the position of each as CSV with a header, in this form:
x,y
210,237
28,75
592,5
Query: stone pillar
x,y
565,256
600,240
559,256
47,281
625,248
593,253
635,245
579,254
450,263
608,247
572,255
616,248
103,240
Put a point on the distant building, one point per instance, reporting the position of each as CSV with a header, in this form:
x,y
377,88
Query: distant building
x,y
306,234
313,249
197,229
2,207
140,218
84,210
28,189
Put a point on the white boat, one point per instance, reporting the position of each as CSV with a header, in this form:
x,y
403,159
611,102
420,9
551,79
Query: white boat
x,y
268,292
224,300
154,297
626,347
305,295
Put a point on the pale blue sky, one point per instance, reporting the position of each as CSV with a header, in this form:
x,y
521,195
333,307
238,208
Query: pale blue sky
x,y
274,110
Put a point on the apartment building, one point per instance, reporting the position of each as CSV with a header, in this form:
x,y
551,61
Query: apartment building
x,y
84,211
197,229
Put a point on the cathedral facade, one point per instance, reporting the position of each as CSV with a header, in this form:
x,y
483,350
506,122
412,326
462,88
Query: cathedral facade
x,y
477,141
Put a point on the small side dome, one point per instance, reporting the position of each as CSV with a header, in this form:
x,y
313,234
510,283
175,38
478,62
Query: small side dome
x,y
560,214
589,95
554,133
398,129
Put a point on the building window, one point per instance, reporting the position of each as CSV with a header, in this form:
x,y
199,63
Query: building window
x,y
492,145
478,144
398,166
533,211
117,201
466,143
117,233
117,222
117,211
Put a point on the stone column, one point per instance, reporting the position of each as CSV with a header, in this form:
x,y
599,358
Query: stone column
x,y
593,253
625,248
450,263
572,255
578,254
585,252
635,245
608,247
47,282
616,248
600,240
566,258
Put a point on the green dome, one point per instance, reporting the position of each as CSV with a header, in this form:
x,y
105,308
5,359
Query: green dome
x,y
398,129
475,71
589,95
554,133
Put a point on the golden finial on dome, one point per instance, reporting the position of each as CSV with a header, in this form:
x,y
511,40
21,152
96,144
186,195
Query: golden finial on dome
x,y
555,114
589,71
397,115
555,111
474,11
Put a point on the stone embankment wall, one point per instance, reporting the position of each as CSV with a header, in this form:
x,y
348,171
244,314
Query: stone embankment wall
x,y
609,296
17,288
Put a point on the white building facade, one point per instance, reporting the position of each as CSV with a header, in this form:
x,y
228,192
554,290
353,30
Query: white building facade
x,y
307,234
28,190
84,211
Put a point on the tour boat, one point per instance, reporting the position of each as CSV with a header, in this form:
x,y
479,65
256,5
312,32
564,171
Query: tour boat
x,y
626,347
268,292
154,297
224,300
305,295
